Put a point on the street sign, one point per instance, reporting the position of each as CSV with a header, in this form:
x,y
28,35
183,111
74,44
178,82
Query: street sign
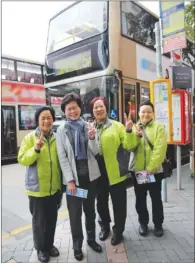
x,y
182,77
172,16
161,97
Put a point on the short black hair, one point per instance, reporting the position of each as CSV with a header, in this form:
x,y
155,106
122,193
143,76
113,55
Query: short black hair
x,y
147,103
69,98
43,108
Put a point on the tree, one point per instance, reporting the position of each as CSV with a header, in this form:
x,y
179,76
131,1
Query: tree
x,y
190,21
188,53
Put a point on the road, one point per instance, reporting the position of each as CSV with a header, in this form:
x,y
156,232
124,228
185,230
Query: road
x,y
16,218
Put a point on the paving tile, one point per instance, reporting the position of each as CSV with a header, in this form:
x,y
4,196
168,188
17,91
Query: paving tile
x,y
20,247
53,260
189,250
33,257
6,256
181,253
157,256
172,255
146,245
22,257
29,245
156,245
11,247
132,257
142,256
116,254
91,257
102,257
73,260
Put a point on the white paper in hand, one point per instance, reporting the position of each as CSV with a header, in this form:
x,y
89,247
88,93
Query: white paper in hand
x,y
82,193
143,178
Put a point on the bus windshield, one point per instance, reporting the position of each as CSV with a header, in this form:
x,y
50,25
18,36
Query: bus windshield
x,y
87,89
77,23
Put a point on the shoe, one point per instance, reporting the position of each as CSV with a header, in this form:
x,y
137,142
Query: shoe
x,y
43,256
116,239
143,230
78,254
54,252
104,233
158,231
95,246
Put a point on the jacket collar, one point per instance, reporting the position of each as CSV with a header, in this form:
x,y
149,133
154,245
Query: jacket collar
x,y
107,123
37,133
66,128
150,123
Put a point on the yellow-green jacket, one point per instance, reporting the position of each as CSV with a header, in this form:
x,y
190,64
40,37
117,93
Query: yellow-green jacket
x,y
144,157
43,174
112,136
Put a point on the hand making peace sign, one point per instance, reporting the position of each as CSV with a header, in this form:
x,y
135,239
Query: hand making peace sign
x,y
91,130
128,121
39,142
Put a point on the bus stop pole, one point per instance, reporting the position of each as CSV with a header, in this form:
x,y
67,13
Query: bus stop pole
x,y
178,167
160,75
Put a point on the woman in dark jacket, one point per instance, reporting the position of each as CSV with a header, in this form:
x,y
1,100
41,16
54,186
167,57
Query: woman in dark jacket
x,y
77,149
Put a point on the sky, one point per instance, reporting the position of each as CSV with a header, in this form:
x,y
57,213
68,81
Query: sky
x,y
24,32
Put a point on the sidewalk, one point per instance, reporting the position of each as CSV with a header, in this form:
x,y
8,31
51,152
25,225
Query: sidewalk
x,y
176,246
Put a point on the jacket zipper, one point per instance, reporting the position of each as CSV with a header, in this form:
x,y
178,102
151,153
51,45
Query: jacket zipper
x,y
50,166
102,129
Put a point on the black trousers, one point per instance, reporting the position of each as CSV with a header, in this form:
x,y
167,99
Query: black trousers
x,y
141,202
119,201
44,218
75,206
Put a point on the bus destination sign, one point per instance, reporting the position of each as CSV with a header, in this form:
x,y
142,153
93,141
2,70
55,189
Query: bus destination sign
x,y
72,63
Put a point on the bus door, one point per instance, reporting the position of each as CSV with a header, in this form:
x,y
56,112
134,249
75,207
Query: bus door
x,y
8,132
129,100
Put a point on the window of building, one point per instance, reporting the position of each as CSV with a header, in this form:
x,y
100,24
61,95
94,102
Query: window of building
x,y
138,24
30,73
8,69
26,114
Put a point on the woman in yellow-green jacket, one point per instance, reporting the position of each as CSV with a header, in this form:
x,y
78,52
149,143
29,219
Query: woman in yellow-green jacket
x,y
150,161
42,181
112,137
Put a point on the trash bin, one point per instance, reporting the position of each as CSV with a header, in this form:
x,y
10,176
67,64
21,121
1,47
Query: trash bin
x,y
192,164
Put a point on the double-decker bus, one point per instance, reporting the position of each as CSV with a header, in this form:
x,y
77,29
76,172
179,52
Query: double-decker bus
x,y
22,92
103,48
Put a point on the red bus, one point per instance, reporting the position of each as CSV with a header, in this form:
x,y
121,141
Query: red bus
x,y
22,92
